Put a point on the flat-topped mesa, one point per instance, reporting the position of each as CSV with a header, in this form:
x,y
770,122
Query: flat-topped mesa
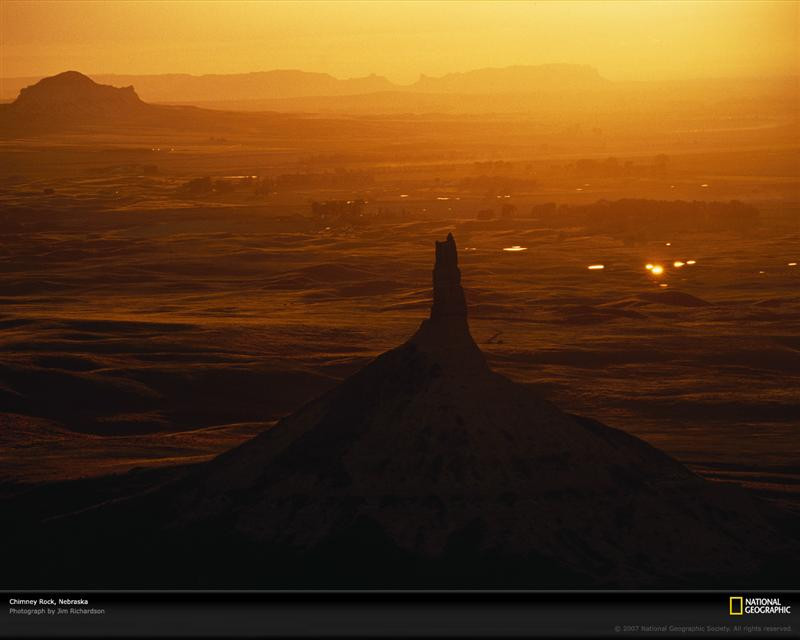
x,y
446,332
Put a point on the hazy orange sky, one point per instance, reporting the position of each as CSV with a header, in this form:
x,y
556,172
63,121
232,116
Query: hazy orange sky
x,y
624,40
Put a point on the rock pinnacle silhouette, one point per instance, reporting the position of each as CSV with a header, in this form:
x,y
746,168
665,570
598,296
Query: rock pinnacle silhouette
x,y
449,303
446,333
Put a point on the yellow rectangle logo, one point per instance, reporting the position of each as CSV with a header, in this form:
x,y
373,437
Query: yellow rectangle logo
x,y
737,605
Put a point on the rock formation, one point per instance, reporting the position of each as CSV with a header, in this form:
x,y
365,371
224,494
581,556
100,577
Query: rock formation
x,y
446,333
74,91
427,469
72,100
449,304
447,462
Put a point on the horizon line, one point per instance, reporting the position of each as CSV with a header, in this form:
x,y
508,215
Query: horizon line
x,y
421,75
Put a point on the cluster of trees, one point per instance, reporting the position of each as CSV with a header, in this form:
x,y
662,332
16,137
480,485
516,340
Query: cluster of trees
x,y
507,211
497,185
614,168
337,212
494,174
346,213
338,209
339,179
206,185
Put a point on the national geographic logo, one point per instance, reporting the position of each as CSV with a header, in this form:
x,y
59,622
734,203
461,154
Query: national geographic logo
x,y
739,606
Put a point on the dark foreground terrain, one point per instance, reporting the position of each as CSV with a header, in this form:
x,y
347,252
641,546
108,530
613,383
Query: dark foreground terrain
x,y
139,344
424,469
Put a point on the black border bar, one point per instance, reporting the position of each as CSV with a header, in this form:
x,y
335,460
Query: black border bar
x,y
358,614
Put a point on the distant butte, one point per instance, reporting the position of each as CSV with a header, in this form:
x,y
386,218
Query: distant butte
x,y
77,93
72,100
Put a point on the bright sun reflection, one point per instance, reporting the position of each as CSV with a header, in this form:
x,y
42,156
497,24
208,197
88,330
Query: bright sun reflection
x,y
657,270
648,266
691,262
678,264
596,266
516,247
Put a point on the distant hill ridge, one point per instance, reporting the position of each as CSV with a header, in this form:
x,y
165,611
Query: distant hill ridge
x,y
547,92
516,79
292,83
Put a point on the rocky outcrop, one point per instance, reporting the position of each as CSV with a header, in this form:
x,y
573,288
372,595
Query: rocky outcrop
x,y
446,332
78,94
72,100
427,469
441,458
449,303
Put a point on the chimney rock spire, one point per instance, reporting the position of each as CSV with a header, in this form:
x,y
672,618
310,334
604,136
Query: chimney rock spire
x,y
448,295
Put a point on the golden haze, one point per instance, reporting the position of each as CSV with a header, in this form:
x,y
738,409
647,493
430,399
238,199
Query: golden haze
x,y
624,40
